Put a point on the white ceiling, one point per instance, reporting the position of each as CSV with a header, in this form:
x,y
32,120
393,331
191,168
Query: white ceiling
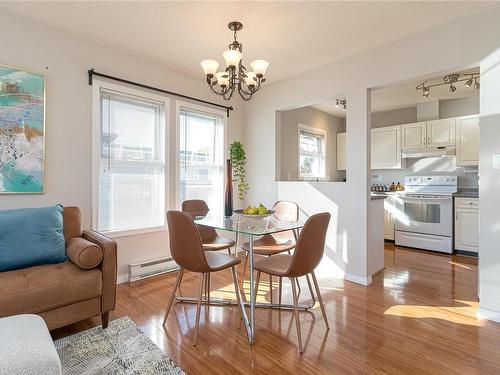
x,y
293,36
406,95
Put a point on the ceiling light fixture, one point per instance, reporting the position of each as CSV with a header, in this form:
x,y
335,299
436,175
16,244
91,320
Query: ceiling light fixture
x,y
235,76
341,103
450,80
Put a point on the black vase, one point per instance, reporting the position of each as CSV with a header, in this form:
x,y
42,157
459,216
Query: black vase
x,y
228,196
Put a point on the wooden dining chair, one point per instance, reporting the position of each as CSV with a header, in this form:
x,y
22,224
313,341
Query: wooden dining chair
x,y
272,244
187,250
307,255
209,237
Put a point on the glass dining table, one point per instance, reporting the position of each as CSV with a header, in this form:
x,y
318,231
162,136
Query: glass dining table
x,y
251,227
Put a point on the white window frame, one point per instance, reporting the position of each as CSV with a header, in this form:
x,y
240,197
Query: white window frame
x,y
209,110
318,131
96,153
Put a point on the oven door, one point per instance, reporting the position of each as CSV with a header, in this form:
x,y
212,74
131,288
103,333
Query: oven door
x,y
425,214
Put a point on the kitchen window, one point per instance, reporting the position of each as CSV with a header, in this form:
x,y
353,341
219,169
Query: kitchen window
x,y
312,153
200,166
130,186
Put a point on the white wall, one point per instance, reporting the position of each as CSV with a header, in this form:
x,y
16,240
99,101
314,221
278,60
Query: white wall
x,y
289,140
489,203
396,62
27,44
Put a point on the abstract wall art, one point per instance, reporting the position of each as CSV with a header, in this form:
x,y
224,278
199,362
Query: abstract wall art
x,y
22,131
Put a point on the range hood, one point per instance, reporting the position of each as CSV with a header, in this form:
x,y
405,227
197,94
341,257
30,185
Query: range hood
x,y
428,152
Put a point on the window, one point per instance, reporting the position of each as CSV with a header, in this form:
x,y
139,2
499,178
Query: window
x,y
130,153
312,153
201,156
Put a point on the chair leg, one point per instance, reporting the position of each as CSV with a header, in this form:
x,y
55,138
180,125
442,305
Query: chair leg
x,y
198,307
279,290
172,296
245,266
320,299
208,286
236,288
296,311
257,281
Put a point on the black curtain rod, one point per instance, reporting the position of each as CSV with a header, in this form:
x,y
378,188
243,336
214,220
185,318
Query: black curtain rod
x,y
92,73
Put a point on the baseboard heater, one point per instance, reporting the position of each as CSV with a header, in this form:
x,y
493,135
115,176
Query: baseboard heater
x,y
143,270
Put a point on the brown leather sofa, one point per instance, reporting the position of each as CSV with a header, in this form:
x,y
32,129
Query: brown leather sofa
x,y
82,287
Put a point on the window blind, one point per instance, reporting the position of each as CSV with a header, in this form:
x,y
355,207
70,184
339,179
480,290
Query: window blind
x,y
132,163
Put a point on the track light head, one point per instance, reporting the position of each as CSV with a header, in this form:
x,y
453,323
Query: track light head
x,y
468,83
425,92
452,88
476,84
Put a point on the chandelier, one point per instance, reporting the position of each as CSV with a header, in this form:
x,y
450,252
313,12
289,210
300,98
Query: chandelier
x,y
470,79
236,75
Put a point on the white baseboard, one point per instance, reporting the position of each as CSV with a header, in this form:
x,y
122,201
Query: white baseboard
x,y
122,278
488,314
365,281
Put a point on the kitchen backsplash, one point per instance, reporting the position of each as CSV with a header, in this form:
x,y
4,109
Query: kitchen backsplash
x,y
467,176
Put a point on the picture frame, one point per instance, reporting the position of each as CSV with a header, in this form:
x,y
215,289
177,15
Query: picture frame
x,y
22,131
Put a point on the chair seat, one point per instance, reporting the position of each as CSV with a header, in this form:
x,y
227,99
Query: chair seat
x,y
276,265
269,245
219,261
218,243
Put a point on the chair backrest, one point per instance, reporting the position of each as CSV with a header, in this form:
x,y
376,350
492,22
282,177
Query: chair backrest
x,y
197,208
185,242
310,245
286,211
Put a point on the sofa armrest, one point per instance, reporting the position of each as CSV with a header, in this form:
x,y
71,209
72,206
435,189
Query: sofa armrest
x,y
108,267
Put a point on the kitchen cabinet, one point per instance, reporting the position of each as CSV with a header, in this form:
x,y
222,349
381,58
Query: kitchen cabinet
x,y
468,140
389,218
467,224
386,148
414,135
440,132
341,151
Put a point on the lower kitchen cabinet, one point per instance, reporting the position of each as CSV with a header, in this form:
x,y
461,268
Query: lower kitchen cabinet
x,y
389,218
467,224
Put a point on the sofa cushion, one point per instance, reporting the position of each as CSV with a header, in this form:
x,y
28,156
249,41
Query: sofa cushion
x,y
31,236
40,288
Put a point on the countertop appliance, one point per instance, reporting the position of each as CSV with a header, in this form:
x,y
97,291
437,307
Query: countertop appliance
x,y
425,213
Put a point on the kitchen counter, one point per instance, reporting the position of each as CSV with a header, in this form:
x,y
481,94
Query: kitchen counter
x,y
467,193
375,196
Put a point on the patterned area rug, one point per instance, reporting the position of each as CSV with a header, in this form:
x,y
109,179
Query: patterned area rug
x,y
119,349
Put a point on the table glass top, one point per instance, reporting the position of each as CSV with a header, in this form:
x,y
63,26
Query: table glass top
x,y
249,225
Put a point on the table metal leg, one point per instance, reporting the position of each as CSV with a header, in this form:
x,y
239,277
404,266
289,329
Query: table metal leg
x,y
252,293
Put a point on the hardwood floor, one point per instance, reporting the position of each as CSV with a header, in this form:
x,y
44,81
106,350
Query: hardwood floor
x,y
418,317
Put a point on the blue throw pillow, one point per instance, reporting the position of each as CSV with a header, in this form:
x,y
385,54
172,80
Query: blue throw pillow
x,y
31,236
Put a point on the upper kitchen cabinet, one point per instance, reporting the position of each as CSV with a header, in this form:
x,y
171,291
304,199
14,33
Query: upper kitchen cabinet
x,y
468,140
414,135
386,147
441,132
341,151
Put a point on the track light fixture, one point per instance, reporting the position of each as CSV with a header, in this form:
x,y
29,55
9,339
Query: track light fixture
x,y
341,103
470,79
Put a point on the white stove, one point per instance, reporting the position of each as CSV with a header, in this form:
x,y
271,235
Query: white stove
x,y
425,217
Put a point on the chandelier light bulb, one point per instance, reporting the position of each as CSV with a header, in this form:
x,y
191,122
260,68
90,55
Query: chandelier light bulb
x,y
232,57
259,67
222,81
209,66
249,79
